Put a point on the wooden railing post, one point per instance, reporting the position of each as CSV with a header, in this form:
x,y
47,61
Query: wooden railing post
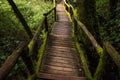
x,y
55,4
55,13
71,11
27,60
113,54
46,22
75,26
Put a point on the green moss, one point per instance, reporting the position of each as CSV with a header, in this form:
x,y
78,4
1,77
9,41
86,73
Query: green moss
x,y
30,46
84,61
31,77
100,51
100,68
40,53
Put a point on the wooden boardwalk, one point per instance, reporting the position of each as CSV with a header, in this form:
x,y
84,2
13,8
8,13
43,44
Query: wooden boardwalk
x,y
61,61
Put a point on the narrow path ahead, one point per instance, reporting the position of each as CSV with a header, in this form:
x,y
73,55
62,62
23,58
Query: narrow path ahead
x,y
61,61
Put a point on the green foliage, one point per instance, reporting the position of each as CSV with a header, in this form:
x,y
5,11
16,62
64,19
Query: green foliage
x,y
11,30
102,8
111,30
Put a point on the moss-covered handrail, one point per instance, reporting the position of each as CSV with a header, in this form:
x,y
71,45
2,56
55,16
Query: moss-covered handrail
x,y
21,51
33,43
100,68
66,5
46,19
113,53
90,36
46,14
69,8
33,49
78,26
11,61
25,50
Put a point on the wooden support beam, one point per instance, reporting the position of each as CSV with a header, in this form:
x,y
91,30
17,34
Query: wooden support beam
x,y
46,23
28,61
33,45
55,14
113,53
84,61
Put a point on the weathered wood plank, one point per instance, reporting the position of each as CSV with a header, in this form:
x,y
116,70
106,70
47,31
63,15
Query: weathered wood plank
x,y
59,77
60,50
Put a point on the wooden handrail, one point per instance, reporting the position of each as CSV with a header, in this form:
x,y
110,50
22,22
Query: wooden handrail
x,y
83,27
46,14
33,43
77,26
24,52
46,19
113,53
89,35
11,61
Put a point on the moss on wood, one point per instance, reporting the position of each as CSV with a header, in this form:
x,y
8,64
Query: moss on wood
x,y
100,68
84,61
40,53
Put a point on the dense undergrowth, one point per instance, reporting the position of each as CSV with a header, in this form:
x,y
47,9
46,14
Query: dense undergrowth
x,y
109,31
12,31
109,28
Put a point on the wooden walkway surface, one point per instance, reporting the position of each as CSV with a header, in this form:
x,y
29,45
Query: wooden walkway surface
x,y
61,61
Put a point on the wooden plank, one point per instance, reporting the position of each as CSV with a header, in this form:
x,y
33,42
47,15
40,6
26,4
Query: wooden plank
x,y
59,77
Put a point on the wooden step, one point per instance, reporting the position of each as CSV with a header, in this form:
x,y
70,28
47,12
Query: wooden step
x,y
59,70
53,63
61,48
59,77
61,59
61,55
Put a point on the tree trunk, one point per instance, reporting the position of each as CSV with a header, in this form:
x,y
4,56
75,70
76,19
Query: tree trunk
x,y
21,18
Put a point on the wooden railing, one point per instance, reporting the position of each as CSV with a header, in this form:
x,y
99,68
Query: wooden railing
x,y
29,51
46,17
86,40
113,54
